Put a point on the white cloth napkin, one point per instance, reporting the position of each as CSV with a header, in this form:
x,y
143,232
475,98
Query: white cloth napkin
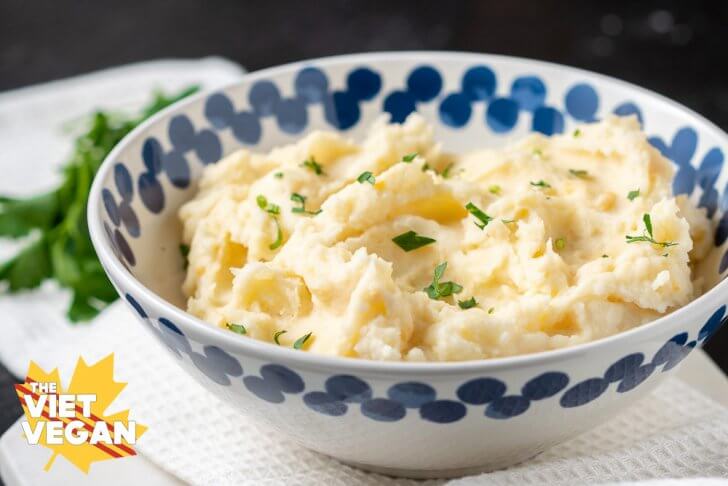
x,y
675,433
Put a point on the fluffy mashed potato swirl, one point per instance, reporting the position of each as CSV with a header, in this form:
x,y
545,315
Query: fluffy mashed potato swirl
x,y
534,236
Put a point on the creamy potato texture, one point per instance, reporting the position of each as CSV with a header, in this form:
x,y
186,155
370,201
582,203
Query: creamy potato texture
x,y
534,237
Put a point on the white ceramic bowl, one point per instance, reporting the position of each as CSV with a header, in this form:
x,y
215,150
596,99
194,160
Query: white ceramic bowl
x,y
415,419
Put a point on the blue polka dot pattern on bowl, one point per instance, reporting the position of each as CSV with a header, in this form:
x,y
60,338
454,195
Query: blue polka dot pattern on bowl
x,y
491,395
273,382
630,371
422,85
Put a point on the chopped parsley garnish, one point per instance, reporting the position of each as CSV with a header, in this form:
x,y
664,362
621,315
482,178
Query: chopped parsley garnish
x,y
409,157
279,236
313,165
366,177
577,133
560,243
605,256
491,310
411,241
542,184
437,290
185,252
425,167
647,235
277,335
632,195
467,304
301,341
266,206
538,152
297,198
579,173
479,215
278,175
236,328
495,189
273,210
446,173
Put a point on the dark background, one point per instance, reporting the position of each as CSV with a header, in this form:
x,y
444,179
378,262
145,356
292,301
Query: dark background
x,y
676,48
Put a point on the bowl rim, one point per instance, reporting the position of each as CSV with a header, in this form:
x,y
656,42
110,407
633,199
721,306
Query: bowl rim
x,y
269,352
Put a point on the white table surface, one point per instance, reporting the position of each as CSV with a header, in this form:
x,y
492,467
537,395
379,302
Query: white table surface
x,y
22,464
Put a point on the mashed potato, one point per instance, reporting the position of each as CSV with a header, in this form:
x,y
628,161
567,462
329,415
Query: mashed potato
x,y
394,250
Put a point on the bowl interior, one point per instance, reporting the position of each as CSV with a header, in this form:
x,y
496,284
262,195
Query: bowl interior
x,y
472,100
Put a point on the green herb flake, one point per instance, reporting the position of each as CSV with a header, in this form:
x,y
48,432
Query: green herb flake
x,y
495,189
366,176
538,153
632,195
300,342
59,247
582,174
269,208
278,175
409,157
314,166
277,335
425,167
605,256
647,235
411,241
577,133
478,213
236,328
467,304
542,184
491,310
560,243
279,236
184,250
446,173
299,199
437,290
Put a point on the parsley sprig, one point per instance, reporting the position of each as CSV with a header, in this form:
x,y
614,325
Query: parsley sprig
x,y
300,342
542,184
277,335
437,290
446,171
467,304
411,241
274,210
266,206
632,195
409,157
298,198
184,250
311,164
236,328
366,176
478,213
647,235
60,247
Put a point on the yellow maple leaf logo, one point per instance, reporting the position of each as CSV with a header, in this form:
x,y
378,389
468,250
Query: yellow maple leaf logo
x,y
87,434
